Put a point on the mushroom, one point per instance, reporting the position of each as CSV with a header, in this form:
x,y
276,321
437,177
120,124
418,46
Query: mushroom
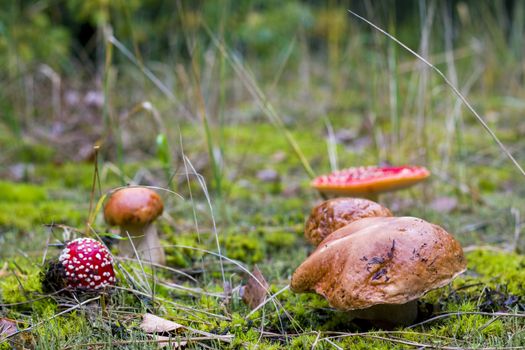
x,y
335,213
368,182
376,268
134,209
84,264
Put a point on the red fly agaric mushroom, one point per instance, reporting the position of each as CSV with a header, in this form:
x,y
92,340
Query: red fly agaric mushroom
x,y
369,181
134,209
87,264
335,213
376,268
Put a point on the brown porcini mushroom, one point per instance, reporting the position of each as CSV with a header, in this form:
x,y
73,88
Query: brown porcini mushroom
x,y
368,182
134,209
335,213
376,268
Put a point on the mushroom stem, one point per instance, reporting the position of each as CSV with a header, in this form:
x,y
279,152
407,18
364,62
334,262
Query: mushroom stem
x,y
389,314
146,242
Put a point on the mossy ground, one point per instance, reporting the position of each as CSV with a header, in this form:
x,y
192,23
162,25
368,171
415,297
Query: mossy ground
x,y
257,224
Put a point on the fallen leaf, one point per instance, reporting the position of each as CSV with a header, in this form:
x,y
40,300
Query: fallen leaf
x,y
155,324
7,327
255,290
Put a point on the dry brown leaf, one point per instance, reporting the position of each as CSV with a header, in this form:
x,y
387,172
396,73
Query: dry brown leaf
x,y
155,324
254,292
7,327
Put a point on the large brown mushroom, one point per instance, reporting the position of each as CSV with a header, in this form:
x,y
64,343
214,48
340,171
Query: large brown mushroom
x,y
335,213
134,209
368,182
376,268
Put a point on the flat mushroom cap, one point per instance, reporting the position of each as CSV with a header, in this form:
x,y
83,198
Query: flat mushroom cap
x,y
382,260
370,180
133,206
335,213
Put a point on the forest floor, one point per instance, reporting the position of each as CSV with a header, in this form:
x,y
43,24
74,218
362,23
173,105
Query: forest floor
x,y
259,220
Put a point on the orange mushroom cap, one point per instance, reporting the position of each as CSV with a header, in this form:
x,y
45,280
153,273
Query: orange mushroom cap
x,y
133,206
370,180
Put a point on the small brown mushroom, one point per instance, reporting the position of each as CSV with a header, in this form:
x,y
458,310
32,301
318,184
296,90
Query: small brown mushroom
x,y
335,213
376,268
134,209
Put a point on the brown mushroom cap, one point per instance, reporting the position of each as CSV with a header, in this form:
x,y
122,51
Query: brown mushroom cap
x,y
381,260
133,206
338,212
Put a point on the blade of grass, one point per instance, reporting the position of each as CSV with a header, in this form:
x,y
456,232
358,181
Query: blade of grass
x,y
261,99
426,17
203,186
146,71
331,144
452,86
393,91
201,104
194,211
91,214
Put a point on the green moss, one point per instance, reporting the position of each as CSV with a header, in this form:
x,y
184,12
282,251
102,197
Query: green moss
x,y
496,268
364,342
72,328
69,175
243,247
25,216
182,257
253,149
21,150
302,342
490,179
20,285
44,308
17,192
280,239
472,324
